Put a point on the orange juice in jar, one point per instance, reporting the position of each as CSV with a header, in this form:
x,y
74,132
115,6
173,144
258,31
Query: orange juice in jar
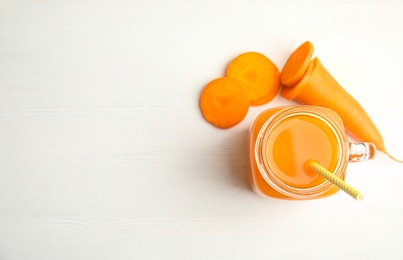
x,y
283,139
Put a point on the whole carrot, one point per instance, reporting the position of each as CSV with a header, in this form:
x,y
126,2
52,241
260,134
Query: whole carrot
x,y
318,88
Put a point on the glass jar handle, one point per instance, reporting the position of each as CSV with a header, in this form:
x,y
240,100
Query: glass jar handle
x,y
361,151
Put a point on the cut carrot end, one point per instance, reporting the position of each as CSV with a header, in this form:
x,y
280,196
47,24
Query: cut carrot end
x,y
292,92
224,102
297,64
258,74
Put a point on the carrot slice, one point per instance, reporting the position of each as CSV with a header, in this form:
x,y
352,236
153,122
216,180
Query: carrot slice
x,y
224,102
297,64
292,92
258,74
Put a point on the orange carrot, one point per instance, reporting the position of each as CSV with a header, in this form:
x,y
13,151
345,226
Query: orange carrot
x,y
297,64
321,89
292,92
258,74
224,102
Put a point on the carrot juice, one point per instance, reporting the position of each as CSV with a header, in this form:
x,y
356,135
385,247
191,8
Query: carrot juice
x,y
283,139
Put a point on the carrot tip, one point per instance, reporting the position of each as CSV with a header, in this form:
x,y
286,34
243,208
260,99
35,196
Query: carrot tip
x,y
393,158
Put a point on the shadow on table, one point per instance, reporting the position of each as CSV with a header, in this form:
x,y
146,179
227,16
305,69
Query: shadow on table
x,y
237,158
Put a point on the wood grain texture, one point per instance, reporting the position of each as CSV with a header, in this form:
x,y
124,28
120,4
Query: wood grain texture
x,y
105,154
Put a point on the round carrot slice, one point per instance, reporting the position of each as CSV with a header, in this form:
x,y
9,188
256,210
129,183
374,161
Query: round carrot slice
x,y
297,64
258,74
224,102
292,91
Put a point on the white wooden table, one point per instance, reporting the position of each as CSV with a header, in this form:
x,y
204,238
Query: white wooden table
x,y
105,154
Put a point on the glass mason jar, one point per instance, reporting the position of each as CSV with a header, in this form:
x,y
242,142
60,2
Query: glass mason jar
x,y
283,138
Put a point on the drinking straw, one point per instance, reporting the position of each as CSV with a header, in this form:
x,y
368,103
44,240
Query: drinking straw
x,y
314,165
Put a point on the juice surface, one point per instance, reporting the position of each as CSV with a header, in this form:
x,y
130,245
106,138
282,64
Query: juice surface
x,y
294,141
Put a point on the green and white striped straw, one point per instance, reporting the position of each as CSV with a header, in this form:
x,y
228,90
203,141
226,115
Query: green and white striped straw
x,y
335,180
